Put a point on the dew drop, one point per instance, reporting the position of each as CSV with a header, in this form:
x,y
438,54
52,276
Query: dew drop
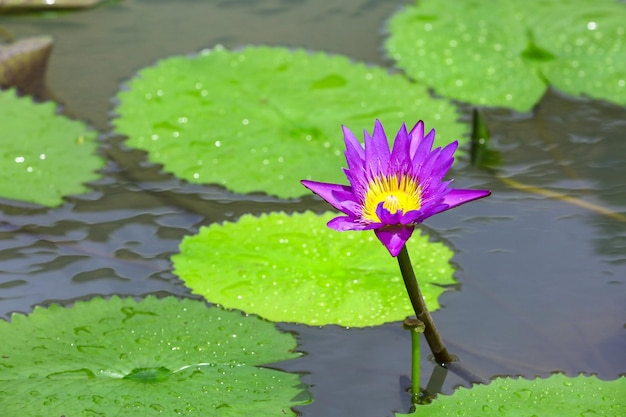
x,y
157,407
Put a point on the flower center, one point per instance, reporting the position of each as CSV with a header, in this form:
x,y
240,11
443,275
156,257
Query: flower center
x,y
401,194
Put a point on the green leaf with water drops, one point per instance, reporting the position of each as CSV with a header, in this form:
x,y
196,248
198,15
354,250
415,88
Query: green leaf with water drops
x,y
45,156
293,268
262,119
557,395
155,357
505,53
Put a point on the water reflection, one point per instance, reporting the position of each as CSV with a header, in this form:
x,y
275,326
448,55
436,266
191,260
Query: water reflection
x,y
542,281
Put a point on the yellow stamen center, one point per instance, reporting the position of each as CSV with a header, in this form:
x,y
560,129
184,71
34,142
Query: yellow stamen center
x,y
403,194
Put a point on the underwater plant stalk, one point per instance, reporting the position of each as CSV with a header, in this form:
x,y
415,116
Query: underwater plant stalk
x,y
416,327
435,343
415,366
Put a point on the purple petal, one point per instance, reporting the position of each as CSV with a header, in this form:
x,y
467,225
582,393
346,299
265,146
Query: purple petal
x,y
456,197
385,216
355,155
446,157
428,163
348,203
344,223
432,210
334,194
358,182
411,217
394,237
400,153
352,142
377,151
420,144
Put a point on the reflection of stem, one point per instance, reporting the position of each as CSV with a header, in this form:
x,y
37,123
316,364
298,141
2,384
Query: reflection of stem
x,y
563,197
416,327
417,300
435,382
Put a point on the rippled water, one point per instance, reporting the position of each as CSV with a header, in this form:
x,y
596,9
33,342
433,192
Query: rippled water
x,y
542,280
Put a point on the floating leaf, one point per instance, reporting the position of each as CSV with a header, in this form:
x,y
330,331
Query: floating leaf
x,y
120,357
295,269
504,53
23,65
555,396
263,118
44,155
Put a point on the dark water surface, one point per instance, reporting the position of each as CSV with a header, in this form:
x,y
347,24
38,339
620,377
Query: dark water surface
x,y
542,280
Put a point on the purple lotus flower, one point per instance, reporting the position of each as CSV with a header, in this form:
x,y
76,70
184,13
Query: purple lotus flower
x,y
392,191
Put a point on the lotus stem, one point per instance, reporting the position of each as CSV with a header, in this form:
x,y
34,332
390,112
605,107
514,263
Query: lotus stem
x,y
435,343
416,327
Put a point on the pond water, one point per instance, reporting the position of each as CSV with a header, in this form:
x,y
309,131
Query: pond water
x,y
542,284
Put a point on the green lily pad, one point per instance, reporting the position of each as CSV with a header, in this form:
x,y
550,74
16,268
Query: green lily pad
x,y
292,268
44,155
505,53
262,119
165,357
557,395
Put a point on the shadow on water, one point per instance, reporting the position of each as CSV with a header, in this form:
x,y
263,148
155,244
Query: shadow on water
x,y
542,284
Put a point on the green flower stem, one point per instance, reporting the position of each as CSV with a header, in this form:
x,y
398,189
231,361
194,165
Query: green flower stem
x,y
416,327
415,366
417,300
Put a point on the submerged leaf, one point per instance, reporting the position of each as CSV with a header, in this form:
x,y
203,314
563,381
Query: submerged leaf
x,y
120,357
44,155
557,395
262,119
293,268
504,53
